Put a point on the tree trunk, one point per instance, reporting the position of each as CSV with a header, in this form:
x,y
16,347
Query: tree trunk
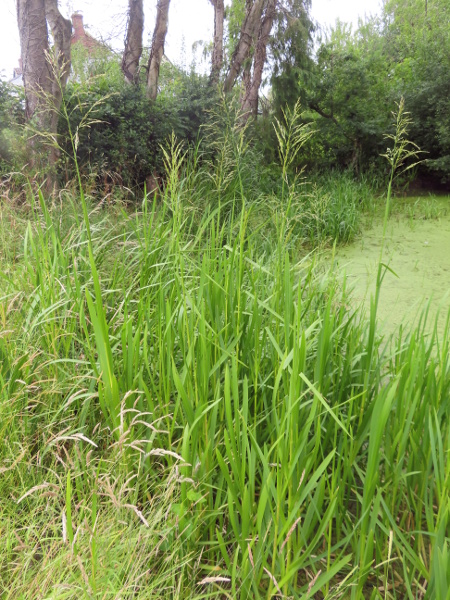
x,y
157,51
217,55
61,29
44,76
39,81
38,77
248,33
246,80
250,102
133,43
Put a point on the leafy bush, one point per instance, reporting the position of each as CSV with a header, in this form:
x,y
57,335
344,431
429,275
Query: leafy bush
x,y
119,132
355,80
12,116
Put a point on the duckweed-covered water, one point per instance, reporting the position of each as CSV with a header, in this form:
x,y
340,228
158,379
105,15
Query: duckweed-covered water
x,y
418,251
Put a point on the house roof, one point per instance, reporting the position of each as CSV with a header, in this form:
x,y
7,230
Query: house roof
x,y
79,35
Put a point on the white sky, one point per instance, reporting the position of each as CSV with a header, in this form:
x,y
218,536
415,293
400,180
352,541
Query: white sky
x,y
189,21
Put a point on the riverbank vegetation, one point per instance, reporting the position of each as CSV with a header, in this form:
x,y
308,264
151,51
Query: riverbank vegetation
x,y
189,409
193,404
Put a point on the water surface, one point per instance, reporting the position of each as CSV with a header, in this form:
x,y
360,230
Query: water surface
x,y
418,251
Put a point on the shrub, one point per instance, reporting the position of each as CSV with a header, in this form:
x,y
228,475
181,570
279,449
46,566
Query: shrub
x,y
12,116
119,132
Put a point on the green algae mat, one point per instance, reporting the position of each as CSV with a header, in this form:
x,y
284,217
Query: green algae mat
x,y
417,250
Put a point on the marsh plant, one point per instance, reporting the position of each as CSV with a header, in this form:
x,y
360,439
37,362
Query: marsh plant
x,y
195,412
399,156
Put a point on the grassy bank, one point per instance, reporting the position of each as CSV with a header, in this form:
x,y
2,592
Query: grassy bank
x,y
188,410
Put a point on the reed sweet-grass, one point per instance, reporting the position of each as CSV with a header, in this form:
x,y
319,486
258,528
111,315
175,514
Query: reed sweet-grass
x,y
189,409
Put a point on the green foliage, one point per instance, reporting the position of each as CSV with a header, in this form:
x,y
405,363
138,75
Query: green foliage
x,y
121,141
291,46
330,209
234,14
12,116
119,133
11,105
349,96
189,98
99,64
356,78
420,44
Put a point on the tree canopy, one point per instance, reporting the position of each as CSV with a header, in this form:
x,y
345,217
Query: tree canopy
x,y
348,80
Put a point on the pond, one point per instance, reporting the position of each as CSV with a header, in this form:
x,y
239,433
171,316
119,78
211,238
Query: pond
x,y
417,249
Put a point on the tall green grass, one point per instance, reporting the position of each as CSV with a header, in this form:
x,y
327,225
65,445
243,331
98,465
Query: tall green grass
x,y
188,409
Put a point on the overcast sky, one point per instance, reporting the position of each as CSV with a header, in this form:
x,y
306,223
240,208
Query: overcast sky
x,y
189,21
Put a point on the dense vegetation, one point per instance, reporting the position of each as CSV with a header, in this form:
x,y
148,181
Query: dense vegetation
x,y
190,410
348,83
192,405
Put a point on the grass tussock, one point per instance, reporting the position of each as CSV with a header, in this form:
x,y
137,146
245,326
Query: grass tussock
x,y
188,410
